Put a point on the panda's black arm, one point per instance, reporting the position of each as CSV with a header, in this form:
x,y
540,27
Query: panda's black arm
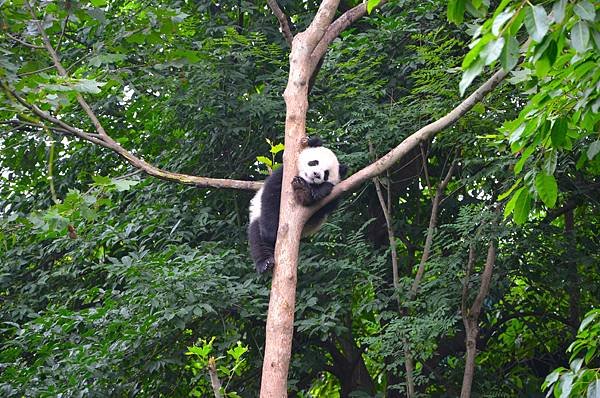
x,y
308,194
319,191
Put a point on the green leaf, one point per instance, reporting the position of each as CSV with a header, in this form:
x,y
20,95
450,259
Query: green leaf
x,y
558,134
510,53
550,162
510,206
500,20
593,149
98,3
476,48
124,185
551,378
558,10
576,364
277,148
590,316
88,86
522,207
536,22
456,11
492,50
264,160
580,36
371,4
507,193
547,188
594,389
566,384
106,59
585,10
469,75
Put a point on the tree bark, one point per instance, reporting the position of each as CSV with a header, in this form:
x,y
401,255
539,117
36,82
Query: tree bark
x,y
471,315
280,318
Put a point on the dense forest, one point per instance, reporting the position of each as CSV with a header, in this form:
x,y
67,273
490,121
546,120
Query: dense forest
x,y
133,135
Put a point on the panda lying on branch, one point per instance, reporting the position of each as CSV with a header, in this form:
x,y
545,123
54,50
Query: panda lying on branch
x,y
319,170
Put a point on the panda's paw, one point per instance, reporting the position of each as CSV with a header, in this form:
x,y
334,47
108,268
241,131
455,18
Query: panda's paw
x,y
302,192
299,183
265,265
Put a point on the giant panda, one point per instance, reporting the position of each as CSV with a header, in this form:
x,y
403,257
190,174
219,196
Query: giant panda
x,y
319,170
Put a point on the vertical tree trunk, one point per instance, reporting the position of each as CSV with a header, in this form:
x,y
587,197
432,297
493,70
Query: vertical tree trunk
x,y
469,373
280,319
471,315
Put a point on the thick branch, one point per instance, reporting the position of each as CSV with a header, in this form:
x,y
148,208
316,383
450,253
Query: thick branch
x,y
214,378
320,23
333,31
422,135
486,278
283,21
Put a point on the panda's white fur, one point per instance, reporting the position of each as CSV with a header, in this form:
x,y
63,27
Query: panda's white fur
x,y
327,162
318,171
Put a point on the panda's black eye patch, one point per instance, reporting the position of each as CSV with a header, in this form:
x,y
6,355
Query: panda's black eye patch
x,y
313,163
326,176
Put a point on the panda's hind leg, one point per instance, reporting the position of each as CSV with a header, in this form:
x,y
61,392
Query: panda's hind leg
x,y
262,252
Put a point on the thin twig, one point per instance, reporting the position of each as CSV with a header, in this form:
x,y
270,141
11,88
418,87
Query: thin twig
x,y
283,21
433,218
33,72
26,44
424,158
62,33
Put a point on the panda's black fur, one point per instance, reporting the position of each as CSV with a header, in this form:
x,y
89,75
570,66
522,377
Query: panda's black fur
x,y
319,170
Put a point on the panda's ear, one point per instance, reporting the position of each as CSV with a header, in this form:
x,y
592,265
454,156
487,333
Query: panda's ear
x,y
314,142
343,170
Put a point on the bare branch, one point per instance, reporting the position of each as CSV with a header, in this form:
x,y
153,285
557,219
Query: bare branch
x,y
386,209
466,283
430,230
321,23
486,278
131,158
62,33
26,44
283,21
214,378
103,139
425,168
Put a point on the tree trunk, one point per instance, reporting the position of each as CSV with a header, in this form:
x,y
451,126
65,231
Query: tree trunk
x,y
469,373
471,315
280,319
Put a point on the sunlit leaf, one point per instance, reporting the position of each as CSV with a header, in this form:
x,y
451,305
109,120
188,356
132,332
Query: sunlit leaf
x,y
536,22
580,36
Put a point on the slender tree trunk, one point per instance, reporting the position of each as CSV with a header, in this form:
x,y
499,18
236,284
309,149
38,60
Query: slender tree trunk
x,y
471,355
214,378
471,315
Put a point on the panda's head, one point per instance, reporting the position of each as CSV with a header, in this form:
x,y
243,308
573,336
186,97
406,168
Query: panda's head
x,y
317,164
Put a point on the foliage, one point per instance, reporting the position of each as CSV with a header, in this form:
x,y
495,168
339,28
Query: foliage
x,y
108,276
201,359
560,75
579,379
